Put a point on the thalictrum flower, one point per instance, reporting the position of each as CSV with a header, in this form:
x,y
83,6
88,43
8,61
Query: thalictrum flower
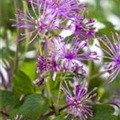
x,y
46,15
78,70
84,29
66,8
112,54
45,64
39,81
78,102
70,53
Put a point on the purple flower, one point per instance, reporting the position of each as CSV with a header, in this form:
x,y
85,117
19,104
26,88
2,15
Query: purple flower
x,y
70,53
78,102
112,52
78,70
84,29
66,8
46,15
39,81
43,64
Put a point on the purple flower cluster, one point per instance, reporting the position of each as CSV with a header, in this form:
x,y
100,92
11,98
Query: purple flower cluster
x,y
70,54
64,56
84,29
46,16
60,54
43,64
78,102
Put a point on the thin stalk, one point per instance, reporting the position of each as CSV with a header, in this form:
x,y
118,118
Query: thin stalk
x,y
90,66
104,84
4,17
96,75
17,47
26,31
59,92
51,113
48,90
58,97
16,57
40,46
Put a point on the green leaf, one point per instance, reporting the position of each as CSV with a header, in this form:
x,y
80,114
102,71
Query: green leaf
x,y
60,117
116,82
34,106
29,69
118,118
103,112
6,53
22,84
115,85
7,99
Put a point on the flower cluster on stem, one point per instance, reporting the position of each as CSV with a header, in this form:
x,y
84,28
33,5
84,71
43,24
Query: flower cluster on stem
x,y
59,54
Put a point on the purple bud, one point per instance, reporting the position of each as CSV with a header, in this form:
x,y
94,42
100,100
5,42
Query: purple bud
x,y
39,81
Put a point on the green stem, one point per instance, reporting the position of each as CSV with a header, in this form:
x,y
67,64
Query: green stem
x,y
90,66
40,46
104,84
48,90
59,92
51,113
26,31
17,46
96,75
16,57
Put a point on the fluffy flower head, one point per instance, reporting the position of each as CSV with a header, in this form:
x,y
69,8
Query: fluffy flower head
x,y
46,15
78,102
70,53
112,54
